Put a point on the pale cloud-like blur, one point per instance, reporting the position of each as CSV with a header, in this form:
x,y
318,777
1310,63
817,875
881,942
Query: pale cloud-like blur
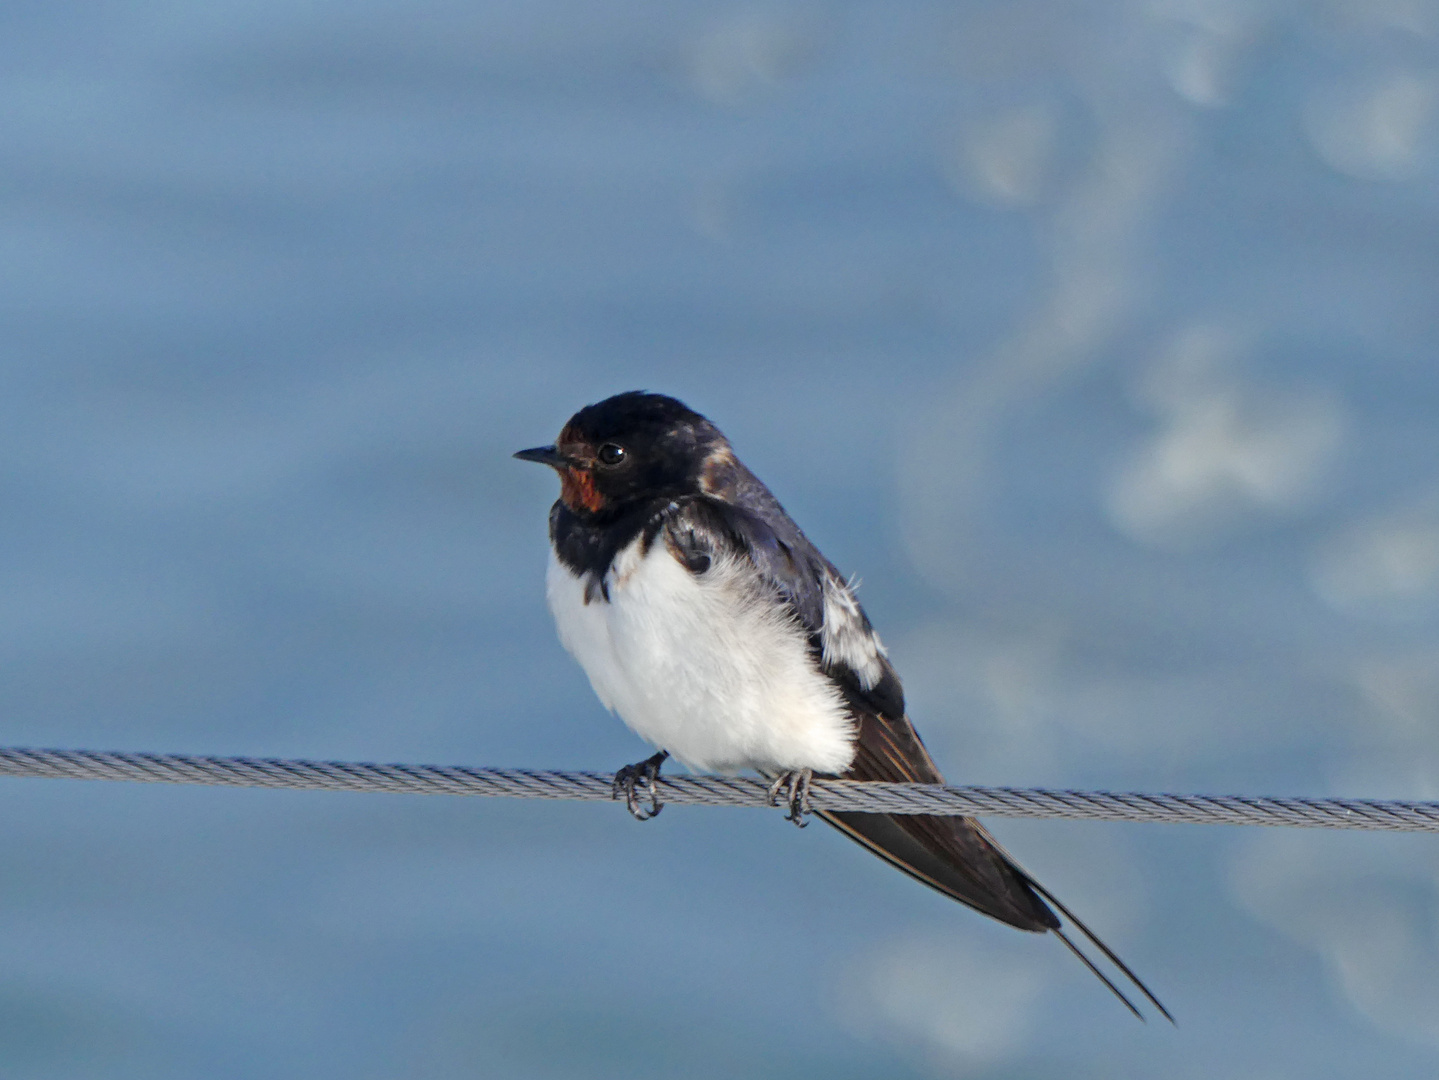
x,y
1227,451
1367,904
1392,733
1092,221
1032,706
1385,126
1385,567
1008,159
955,1001
745,54
1204,62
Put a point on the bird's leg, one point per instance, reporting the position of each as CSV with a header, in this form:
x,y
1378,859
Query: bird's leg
x,y
631,776
795,785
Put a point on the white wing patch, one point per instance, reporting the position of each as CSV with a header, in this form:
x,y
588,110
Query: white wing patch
x,y
845,637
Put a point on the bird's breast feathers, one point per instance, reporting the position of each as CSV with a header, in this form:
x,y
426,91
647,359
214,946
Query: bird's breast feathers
x,y
709,664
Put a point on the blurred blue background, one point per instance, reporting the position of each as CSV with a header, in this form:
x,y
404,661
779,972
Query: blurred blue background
x,y
1098,338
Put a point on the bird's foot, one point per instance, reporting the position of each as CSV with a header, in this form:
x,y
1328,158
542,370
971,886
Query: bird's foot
x,y
794,784
631,777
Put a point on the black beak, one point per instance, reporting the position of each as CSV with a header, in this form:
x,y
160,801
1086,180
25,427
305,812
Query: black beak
x,y
545,455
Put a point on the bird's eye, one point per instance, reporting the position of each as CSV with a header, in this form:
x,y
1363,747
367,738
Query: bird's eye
x,y
611,454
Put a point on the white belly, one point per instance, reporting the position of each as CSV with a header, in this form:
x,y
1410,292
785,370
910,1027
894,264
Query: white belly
x,y
705,666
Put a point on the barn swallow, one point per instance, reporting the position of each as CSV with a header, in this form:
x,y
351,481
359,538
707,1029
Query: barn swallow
x,y
707,620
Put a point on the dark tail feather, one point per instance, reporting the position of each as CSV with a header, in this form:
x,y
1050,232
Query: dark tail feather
x,y
1109,953
953,856
1101,976
964,862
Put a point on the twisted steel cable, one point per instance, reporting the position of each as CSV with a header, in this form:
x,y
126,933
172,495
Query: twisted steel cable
x,y
874,797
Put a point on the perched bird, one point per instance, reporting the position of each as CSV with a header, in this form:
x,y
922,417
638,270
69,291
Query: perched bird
x,y
706,619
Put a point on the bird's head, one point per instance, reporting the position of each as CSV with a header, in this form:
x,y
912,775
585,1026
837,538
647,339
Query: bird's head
x,y
632,448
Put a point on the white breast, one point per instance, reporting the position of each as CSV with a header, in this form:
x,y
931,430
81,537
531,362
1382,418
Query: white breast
x,y
708,666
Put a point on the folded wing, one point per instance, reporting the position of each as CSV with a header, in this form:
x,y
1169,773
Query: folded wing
x,y
951,853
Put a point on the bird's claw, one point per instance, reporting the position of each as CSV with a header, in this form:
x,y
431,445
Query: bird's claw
x,y
794,783
628,779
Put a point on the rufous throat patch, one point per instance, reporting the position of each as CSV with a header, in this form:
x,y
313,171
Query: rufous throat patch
x,y
577,490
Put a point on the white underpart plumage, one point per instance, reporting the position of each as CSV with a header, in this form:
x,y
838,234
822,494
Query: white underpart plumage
x,y
710,666
845,638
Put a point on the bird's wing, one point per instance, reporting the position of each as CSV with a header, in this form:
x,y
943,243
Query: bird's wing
x,y
951,853
817,595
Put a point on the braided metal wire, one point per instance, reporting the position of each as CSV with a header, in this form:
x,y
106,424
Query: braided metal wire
x,y
1393,815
